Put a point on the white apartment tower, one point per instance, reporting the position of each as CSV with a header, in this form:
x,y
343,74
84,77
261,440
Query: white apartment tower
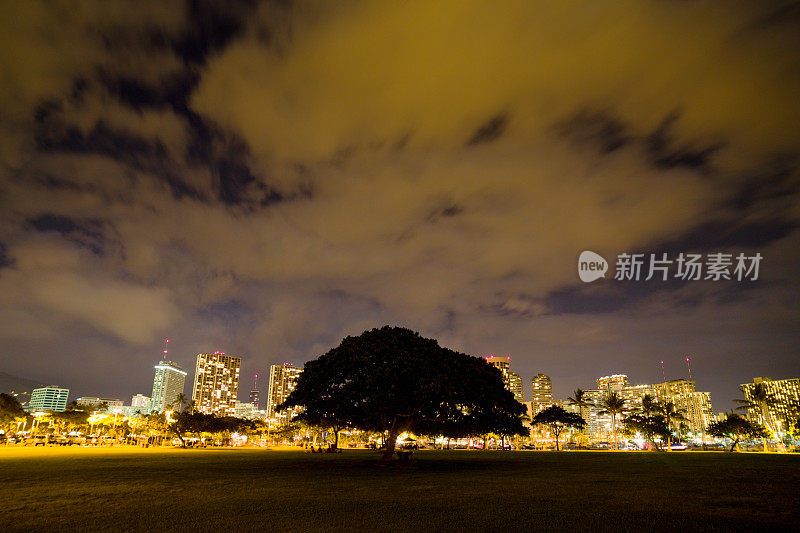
x,y
168,382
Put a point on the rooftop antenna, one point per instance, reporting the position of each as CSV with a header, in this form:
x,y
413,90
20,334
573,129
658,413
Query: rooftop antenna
x,y
689,366
255,383
166,349
663,376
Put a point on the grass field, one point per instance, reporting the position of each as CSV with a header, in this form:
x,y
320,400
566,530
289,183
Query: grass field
x,y
132,489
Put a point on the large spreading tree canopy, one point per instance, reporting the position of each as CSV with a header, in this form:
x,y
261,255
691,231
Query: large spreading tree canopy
x,y
394,380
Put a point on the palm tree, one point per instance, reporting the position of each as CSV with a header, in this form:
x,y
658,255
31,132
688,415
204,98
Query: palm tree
x,y
181,401
649,405
580,400
613,404
760,401
671,415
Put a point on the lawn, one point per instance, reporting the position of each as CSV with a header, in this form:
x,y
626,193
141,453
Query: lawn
x,y
121,489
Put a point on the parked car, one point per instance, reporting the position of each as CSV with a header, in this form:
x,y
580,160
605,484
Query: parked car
x,y
677,446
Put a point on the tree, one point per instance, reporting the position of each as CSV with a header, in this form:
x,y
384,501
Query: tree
x,y
793,422
181,401
70,420
155,423
188,422
11,411
332,412
557,419
580,400
649,405
671,415
760,401
736,428
287,431
648,425
393,380
614,405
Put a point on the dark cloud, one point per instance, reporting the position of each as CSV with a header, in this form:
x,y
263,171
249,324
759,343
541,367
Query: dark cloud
x,y
773,184
490,131
595,128
267,177
5,259
86,233
668,153
730,234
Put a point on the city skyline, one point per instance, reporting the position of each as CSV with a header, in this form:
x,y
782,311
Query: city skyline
x,y
513,381
266,179
217,376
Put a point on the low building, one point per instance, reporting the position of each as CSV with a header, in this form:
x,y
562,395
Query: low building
x,y
50,398
92,403
141,401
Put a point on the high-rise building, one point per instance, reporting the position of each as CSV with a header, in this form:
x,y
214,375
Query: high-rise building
x,y
216,383
515,386
596,424
541,392
168,382
613,383
50,398
254,393
254,398
673,388
282,380
786,396
140,401
695,406
511,379
634,394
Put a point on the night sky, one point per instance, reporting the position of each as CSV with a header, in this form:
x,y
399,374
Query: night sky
x,y
265,178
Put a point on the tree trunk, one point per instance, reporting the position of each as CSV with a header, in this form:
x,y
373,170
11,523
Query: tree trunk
x,y
614,431
390,442
335,438
556,435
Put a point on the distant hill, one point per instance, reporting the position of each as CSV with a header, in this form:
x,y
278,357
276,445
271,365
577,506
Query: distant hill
x,y
20,386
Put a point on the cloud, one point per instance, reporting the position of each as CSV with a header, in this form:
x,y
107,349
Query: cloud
x,y
48,277
271,178
373,73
